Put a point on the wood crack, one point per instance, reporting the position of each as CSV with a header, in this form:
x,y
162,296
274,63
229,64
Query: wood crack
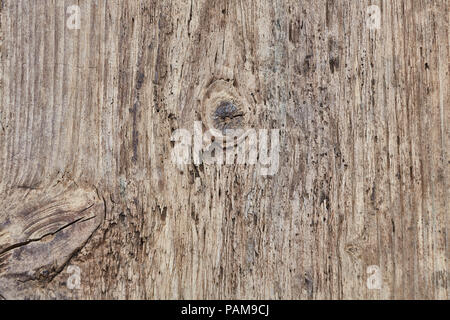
x,y
24,243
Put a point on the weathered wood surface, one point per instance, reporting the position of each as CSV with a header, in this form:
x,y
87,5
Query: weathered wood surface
x,y
87,180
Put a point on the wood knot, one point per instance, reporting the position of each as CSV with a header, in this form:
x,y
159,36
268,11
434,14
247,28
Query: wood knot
x,y
227,116
225,111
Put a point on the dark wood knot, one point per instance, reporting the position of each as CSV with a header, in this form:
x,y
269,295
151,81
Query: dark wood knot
x,y
227,116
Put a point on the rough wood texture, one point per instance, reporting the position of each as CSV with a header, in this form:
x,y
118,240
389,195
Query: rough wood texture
x,y
86,176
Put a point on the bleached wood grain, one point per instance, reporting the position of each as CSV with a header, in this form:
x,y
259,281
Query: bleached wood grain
x,y
86,176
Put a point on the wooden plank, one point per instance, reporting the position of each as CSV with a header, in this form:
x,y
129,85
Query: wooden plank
x,y
87,123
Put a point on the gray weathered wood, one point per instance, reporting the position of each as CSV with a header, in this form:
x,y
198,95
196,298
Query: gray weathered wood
x,y
87,179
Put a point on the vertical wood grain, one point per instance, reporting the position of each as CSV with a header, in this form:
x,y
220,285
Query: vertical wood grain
x,y
86,118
